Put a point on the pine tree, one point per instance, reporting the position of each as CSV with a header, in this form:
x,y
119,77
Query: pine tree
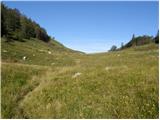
x,y
16,26
122,45
157,38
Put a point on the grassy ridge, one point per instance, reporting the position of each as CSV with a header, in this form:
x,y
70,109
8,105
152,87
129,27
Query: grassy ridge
x,y
122,84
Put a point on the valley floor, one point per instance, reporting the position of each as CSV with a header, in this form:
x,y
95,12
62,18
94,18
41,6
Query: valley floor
x,y
122,84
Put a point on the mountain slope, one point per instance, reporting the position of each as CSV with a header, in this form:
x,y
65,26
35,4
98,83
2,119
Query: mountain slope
x,y
140,40
37,52
121,84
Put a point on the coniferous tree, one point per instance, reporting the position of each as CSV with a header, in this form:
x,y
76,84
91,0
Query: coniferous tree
x,y
3,16
16,26
133,38
157,38
113,48
122,45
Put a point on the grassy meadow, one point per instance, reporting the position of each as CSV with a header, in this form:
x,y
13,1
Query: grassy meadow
x,y
56,82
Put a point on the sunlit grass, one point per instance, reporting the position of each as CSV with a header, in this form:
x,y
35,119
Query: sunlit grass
x,y
122,84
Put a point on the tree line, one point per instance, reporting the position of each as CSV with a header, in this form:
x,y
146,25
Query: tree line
x,y
15,26
137,41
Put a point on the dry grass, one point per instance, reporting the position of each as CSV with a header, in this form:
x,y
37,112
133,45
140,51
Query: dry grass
x,y
127,89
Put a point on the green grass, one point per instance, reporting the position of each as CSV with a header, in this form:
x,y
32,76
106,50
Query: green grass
x,y
17,81
122,84
36,52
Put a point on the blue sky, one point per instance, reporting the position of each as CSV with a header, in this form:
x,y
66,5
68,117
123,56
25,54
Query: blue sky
x,y
92,26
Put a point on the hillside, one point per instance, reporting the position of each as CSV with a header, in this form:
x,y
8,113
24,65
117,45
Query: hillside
x,y
137,41
37,52
121,84
140,40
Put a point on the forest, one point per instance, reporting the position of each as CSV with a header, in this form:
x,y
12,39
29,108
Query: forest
x,y
16,26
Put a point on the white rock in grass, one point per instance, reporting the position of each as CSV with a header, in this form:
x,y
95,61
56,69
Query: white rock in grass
x,y
48,105
49,52
118,55
52,63
107,68
76,75
33,54
5,51
24,57
41,50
